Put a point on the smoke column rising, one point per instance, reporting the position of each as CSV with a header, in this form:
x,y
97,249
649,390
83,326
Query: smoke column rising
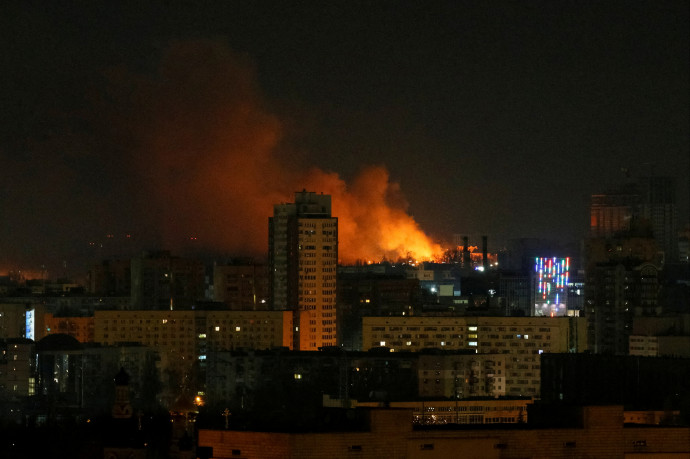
x,y
189,150
209,162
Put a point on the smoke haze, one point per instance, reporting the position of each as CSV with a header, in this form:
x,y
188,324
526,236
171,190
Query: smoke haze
x,y
189,152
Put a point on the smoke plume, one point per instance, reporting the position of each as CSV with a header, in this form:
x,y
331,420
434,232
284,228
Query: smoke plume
x,y
188,153
210,164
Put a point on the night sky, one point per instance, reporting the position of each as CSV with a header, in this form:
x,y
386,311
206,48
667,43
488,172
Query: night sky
x,y
181,125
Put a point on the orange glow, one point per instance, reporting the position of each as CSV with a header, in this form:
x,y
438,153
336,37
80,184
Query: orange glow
x,y
372,219
213,163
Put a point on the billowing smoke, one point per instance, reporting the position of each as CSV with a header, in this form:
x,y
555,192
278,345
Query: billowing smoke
x,y
189,152
210,164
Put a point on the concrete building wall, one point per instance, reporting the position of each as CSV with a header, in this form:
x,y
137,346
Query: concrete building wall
x,y
183,337
498,335
82,328
602,435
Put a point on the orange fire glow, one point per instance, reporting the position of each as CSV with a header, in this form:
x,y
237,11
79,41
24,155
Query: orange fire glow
x,y
372,218
212,163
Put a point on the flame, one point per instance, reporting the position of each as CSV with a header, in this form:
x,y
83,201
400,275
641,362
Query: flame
x,y
372,219
211,162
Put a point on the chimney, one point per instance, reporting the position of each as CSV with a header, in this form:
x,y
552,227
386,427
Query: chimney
x,y
465,251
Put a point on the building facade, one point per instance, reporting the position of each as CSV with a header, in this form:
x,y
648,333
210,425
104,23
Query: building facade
x,y
484,335
185,337
162,281
303,259
241,286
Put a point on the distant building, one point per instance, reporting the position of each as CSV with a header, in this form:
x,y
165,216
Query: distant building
x,y
161,281
645,346
659,208
303,259
550,280
459,375
22,319
648,199
59,380
17,368
80,328
515,293
185,337
111,278
241,286
371,290
613,212
663,336
621,282
490,335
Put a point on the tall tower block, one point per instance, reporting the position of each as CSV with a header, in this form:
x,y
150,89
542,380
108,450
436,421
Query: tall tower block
x,y
303,257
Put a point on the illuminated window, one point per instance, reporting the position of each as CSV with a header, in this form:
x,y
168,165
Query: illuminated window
x,y
472,328
472,343
238,328
298,376
217,328
382,343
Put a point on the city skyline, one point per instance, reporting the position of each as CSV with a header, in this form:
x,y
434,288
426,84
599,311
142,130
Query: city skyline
x,y
182,126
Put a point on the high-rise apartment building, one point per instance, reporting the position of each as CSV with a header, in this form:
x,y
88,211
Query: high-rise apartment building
x,y
613,212
648,203
659,209
303,257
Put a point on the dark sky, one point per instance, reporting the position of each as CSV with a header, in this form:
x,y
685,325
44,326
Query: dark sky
x,y
496,118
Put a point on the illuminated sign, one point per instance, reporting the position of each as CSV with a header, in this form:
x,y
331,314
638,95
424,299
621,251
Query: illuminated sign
x,y
29,324
551,277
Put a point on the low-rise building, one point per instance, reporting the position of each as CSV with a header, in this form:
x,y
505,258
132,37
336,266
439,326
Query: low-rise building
x,y
389,433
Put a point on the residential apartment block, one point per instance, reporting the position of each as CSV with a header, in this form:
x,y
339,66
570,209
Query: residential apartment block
x,y
484,335
303,259
183,337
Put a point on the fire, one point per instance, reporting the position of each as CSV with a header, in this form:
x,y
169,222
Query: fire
x,y
373,222
211,163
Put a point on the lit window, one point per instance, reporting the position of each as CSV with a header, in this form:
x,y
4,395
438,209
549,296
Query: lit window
x,y
237,329
217,328
472,328
472,343
382,343
298,376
